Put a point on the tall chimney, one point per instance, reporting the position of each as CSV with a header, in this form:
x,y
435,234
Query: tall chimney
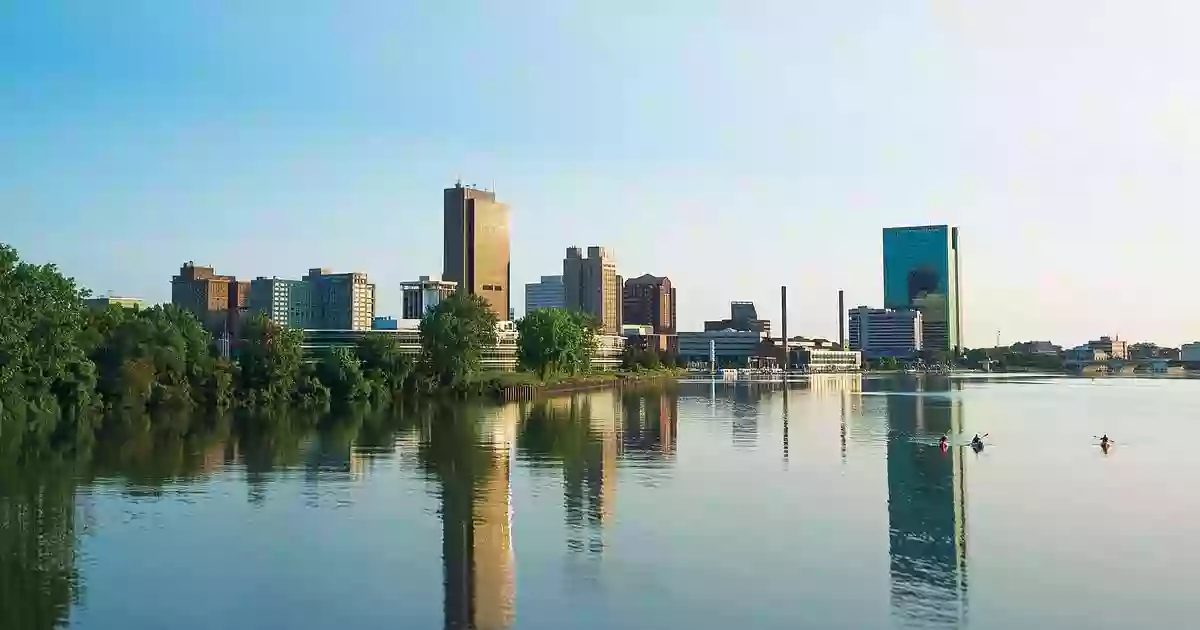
x,y
783,316
841,319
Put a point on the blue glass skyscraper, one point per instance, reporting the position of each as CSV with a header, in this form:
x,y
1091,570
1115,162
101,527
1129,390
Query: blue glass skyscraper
x,y
920,271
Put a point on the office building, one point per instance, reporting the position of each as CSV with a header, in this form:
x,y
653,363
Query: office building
x,y
548,293
880,333
743,317
731,347
921,271
423,294
288,303
650,300
110,300
217,301
591,285
341,301
1111,346
476,246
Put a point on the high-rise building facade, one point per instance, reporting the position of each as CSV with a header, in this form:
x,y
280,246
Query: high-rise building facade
x,y
882,333
476,247
591,285
217,301
548,293
424,294
341,301
286,302
921,271
650,300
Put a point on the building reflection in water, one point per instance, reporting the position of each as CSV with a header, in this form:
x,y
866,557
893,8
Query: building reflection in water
x,y
926,503
587,434
470,456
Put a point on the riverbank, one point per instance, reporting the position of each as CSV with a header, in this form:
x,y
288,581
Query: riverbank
x,y
508,386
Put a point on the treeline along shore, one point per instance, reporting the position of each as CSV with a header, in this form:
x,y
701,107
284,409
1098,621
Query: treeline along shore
x,y
65,367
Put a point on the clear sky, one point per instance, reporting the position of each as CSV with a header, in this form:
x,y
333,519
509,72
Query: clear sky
x,y
734,146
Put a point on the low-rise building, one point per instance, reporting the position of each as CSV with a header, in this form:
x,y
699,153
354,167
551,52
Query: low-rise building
x,y
385,323
743,317
423,294
880,333
826,360
1036,347
110,300
1086,354
1112,346
1190,352
501,357
548,293
731,347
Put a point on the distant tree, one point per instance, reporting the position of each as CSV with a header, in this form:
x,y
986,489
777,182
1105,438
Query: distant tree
x,y
339,370
45,374
454,334
270,359
385,365
555,340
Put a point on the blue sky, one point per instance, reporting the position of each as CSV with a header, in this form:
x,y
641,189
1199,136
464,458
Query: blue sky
x,y
734,146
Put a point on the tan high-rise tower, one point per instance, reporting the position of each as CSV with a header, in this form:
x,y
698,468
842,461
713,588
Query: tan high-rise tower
x,y
591,285
475,247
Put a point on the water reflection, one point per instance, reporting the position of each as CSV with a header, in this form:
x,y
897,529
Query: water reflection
x,y
587,434
38,577
464,455
469,452
926,502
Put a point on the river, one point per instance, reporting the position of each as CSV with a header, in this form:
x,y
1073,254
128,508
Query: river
x,y
822,504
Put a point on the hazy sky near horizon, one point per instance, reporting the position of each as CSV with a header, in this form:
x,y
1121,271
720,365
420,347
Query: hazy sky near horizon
x,y
734,146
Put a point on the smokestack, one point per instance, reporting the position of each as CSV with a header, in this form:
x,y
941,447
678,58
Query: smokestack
x,y
841,319
783,316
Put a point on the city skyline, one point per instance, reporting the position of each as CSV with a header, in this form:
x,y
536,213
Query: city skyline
x,y
141,140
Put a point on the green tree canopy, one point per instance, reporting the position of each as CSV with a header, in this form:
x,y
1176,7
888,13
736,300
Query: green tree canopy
x,y
454,335
270,358
341,371
555,340
386,365
44,371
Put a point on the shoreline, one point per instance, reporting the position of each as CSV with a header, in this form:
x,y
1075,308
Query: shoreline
x,y
516,386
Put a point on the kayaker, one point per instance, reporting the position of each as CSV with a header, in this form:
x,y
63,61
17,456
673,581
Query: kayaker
x,y
943,444
977,442
1104,441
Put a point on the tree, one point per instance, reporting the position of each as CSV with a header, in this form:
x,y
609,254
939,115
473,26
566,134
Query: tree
x,y
555,340
454,335
340,371
270,358
385,364
155,357
45,375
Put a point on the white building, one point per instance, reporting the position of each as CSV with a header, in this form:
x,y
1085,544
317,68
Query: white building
x,y
424,294
825,360
881,332
549,293
1190,352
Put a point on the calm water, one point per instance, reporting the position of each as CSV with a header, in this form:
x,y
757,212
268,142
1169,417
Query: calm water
x,y
825,505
